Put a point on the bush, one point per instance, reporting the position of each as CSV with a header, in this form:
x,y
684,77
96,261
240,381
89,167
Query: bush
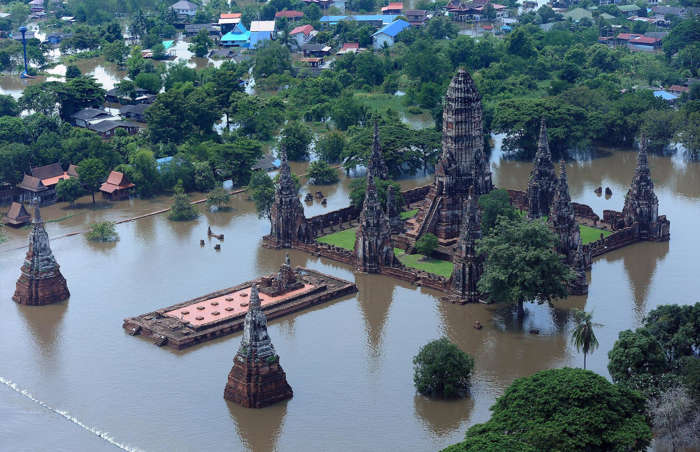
x,y
103,231
441,369
322,174
182,210
218,198
426,244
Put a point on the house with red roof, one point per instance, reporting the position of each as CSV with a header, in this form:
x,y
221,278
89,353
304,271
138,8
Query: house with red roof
x,y
116,187
393,8
290,15
302,35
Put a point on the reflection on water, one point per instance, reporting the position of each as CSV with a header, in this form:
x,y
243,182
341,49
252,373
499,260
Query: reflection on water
x,y
349,362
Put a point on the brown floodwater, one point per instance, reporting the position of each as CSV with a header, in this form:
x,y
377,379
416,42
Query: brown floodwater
x,y
348,361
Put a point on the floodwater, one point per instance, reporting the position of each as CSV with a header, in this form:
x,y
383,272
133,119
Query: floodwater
x,y
348,361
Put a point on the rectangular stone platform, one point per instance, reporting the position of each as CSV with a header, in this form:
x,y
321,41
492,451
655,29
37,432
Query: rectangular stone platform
x,y
222,312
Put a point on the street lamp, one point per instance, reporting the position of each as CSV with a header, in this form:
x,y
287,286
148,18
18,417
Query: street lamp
x,y
23,30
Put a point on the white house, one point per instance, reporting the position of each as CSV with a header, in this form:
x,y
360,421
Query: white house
x,y
386,36
184,8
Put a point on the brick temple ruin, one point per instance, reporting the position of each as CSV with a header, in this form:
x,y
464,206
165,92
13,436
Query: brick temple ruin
x,y
445,209
223,312
40,281
257,379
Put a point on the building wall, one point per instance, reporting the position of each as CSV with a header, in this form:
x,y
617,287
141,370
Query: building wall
x,y
382,39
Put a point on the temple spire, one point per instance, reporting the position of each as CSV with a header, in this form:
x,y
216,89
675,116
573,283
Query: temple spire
x,y
641,204
288,223
543,181
373,246
377,167
256,379
468,265
563,218
579,285
40,281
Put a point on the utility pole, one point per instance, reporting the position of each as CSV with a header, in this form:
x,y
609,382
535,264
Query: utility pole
x,y
23,30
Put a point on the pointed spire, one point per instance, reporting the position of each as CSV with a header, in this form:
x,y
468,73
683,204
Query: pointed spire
x,y
285,171
254,304
642,158
543,142
37,213
376,166
371,190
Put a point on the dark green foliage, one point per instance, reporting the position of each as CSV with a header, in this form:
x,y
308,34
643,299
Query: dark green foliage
x,y
92,174
78,93
660,354
563,409
182,209
69,190
203,176
296,138
271,58
149,81
181,112
218,198
201,44
426,244
358,187
72,71
103,231
320,173
441,369
330,147
521,264
494,205
261,190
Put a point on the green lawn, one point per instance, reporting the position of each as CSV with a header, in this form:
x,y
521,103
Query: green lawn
x,y
408,214
589,234
435,266
342,239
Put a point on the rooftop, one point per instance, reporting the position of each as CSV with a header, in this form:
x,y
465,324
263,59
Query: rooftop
x,y
393,28
306,29
289,14
262,25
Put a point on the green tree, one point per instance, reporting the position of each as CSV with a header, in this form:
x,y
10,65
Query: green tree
x,y
494,205
8,106
320,173
92,174
69,190
296,138
203,176
78,93
115,52
329,147
149,81
583,334
143,173
359,185
261,190
72,71
41,98
441,369
563,409
271,58
521,264
426,244
103,231
218,198
201,44
182,209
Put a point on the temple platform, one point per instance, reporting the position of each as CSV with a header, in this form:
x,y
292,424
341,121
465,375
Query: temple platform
x,y
222,312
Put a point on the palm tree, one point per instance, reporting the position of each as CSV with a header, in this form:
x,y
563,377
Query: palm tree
x,y
583,335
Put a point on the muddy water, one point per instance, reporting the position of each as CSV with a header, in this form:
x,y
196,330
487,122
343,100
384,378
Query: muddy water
x,y
349,361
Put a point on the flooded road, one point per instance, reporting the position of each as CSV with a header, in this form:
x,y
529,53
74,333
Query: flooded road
x,y
348,362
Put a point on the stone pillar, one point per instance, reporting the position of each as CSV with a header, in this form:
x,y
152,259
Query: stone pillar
x,y
468,265
288,223
373,246
40,281
256,379
377,166
579,285
543,179
392,211
563,219
642,205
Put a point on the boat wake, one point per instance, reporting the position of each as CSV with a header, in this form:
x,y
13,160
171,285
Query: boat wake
x,y
104,435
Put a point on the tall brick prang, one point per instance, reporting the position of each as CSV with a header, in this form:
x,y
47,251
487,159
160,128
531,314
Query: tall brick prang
x,y
468,265
40,281
256,379
288,223
563,219
543,181
373,246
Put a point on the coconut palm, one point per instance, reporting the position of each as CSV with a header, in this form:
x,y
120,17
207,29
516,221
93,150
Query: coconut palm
x,y
583,334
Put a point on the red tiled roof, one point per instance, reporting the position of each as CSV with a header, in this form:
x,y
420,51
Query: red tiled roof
x,y
350,45
306,29
679,89
116,181
628,36
230,16
290,14
644,40
393,6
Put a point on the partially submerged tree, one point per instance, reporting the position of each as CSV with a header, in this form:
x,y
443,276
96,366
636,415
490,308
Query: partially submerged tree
x,y
261,190
69,190
441,369
92,173
218,198
493,205
103,231
563,409
583,334
320,173
521,264
182,209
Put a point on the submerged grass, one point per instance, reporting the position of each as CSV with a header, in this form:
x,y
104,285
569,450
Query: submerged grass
x,y
435,266
590,235
342,239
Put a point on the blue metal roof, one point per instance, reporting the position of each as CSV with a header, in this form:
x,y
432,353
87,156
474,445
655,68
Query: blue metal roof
x,y
231,36
385,18
665,95
393,28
